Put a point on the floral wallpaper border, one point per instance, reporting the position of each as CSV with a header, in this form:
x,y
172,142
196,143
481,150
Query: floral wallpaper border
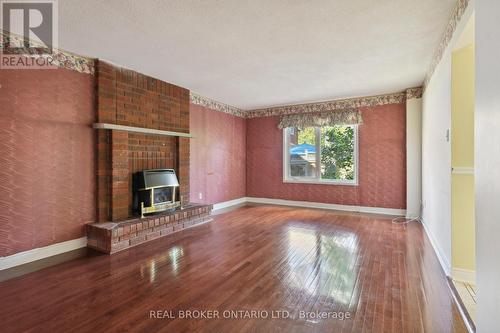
x,y
455,18
341,104
414,92
62,59
214,105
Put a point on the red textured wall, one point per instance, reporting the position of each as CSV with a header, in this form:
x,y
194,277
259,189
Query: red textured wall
x,y
47,175
382,163
218,155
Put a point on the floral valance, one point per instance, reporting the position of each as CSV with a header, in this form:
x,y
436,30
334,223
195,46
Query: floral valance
x,y
330,118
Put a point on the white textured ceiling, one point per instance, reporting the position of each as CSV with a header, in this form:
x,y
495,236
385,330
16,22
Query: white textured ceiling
x,y
259,53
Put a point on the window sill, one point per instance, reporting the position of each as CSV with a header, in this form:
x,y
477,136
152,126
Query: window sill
x,y
321,182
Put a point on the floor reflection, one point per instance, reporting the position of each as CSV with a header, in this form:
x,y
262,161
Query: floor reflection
x,y
170,259
322,264
385,276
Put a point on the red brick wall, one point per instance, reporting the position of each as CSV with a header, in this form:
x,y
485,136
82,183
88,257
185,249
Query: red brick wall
x,y
183,168
218,155
150,152
47,173
382,163
126,97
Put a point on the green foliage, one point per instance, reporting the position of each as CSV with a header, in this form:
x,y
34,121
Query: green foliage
x,y
337,152
307,135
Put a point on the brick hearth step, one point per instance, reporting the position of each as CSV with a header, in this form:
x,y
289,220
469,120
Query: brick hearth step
x,y
111,237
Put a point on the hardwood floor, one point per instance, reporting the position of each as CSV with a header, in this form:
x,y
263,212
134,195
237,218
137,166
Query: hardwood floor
x,y
385,277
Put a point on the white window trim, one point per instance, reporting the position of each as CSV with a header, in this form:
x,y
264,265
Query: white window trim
x,y
303,180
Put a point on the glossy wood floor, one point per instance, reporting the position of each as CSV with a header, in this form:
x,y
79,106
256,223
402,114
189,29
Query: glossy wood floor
x,y
262,258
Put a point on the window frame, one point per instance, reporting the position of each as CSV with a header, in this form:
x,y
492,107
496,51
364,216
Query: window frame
x,y
287,178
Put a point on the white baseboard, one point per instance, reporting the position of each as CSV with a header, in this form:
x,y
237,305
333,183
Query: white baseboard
x,y
411,216
226,204
41,253
445,264
307,204
347,208
463,275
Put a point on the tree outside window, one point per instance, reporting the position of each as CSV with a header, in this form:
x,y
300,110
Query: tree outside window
x,y
321,154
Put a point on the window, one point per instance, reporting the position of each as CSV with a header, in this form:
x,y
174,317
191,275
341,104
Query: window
x,y
327,154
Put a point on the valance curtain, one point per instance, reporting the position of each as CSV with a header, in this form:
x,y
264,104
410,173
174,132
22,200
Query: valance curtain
x,y
329,118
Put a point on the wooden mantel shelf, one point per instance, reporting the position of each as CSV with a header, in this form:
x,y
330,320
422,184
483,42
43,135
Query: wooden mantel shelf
x,y
139,130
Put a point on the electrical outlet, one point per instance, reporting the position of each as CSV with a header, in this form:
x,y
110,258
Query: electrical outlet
x,y
200,196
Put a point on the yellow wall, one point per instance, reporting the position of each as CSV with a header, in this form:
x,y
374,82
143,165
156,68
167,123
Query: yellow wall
x,y
463,226
462,156
462,104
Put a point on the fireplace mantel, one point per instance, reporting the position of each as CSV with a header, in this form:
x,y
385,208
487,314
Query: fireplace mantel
x,y
140,130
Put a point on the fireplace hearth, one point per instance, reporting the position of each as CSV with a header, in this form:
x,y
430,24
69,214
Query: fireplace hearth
x,y
112,237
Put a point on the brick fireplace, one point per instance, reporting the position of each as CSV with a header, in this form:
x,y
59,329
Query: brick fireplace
x,y
125,97
136,101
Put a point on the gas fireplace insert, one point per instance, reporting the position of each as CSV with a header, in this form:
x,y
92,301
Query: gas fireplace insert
x,y
155,191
